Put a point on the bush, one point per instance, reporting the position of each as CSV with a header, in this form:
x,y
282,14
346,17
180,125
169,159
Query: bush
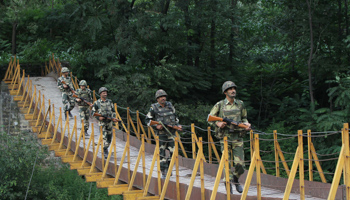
x,y
50,179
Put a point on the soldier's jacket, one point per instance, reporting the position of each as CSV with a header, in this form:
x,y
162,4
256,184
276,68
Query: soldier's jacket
x,y
165,115
68,81
104,108
85,94
235,111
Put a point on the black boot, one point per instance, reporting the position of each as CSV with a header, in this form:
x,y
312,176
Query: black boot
x,y
164,173
70,114
231,186
65,114
239,188
86,133
105,153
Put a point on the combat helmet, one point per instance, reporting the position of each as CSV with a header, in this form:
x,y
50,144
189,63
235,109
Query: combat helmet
x,y
102,89
83,82
160,93
227,85
64,69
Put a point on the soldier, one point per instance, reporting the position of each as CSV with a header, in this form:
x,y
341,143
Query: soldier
x,y
67,90
105,107
234,109
163,111
84,108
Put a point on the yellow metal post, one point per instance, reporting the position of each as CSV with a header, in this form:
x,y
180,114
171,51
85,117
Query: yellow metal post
x,y
258,165
277,164
155,157
311,177
292,175
337,174
177,168
193,141
301,165
347,160
194,172
251,135
209,145
227,168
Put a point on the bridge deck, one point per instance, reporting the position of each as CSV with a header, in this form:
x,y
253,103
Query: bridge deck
x,y
48,87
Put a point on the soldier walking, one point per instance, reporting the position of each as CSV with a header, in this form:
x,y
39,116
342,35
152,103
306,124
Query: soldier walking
x,y
163,111
67,90
105,107
84,93
233,109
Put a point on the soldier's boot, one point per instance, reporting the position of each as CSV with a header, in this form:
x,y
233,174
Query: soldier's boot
x,y
65,114
231,186
105,152
164,173
239,188
86,133
70,114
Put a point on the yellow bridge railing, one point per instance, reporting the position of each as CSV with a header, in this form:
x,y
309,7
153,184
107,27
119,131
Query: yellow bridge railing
x,y
85,157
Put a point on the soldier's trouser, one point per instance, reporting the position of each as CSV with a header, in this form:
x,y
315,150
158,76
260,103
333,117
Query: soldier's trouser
x,y
107,132
68,102
166,142
84,112
236,145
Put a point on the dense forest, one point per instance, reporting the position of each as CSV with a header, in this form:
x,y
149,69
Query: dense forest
x,y
289,58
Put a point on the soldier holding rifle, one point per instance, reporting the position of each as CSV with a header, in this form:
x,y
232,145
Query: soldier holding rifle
x,y
234,127
84,99
162,116
104,112
65,84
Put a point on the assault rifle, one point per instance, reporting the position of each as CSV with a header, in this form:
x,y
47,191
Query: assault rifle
x,y
64,82
228,121
170,126
76,96
110,118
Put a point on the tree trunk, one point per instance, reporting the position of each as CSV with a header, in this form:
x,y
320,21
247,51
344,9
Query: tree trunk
x,y
311,54
346,17
164,10
212,35
189,38
233,33
14,27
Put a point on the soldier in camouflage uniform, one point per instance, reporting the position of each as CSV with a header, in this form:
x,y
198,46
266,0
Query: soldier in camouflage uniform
x,y
66,89
84,108
104,107
233,109
163,111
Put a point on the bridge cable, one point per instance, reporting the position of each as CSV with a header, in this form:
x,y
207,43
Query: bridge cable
x,y
30,180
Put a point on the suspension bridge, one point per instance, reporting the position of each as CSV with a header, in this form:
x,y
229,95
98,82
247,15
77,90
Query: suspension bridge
x,y
132,168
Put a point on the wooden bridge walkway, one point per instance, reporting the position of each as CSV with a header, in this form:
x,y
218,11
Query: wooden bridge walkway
x,y
48,87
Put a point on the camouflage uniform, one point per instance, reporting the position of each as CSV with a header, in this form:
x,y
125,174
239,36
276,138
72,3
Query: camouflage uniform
x,y
236,112
67,99
84,108
105,108
166,115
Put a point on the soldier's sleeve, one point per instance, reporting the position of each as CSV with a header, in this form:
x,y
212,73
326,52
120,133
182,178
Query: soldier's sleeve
x,y
214,112
78,94
149,116
244,114
60,85
114,115
177,121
